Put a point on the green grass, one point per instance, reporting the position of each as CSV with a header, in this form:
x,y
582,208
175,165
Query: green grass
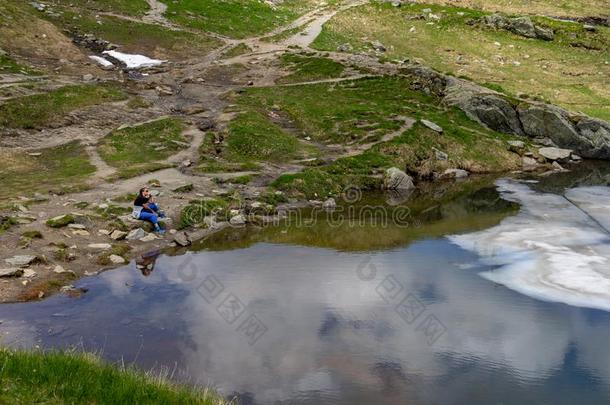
x,y
235,18
252,137
61,168
126,7
38,110
8,65
306,68
137,150
548,70
149,39
71,378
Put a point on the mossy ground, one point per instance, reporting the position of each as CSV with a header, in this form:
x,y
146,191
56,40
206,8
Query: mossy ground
x,y
9,65
70,378
570,71
59,169
40,110
141,149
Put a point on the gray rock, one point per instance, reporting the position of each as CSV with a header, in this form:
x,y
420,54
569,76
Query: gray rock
x,y
516,146
454,174
118,235
182,239
396,179
555,153
344,48
440,155
237,220
432,126
522,26
558,167
29,273
11,272
595,135
529,164
378,46
21,260
116,259
329,204
88,77
137,233
77,226
100,246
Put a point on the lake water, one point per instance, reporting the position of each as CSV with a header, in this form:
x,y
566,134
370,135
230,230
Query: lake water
x,y
484,293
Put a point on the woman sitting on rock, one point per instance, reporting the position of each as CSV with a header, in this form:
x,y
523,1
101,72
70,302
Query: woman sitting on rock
x,y
144,208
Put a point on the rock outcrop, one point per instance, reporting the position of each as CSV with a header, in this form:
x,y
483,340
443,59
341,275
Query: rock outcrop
x,y
588,137
396,179
522,26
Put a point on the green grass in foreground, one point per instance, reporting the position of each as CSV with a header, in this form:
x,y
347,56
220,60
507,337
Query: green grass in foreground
x,y
306,68
77,378
59,169
38,110
570,71
235,18
140,149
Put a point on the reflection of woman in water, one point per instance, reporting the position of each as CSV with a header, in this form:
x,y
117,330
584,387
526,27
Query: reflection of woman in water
x,y
146,262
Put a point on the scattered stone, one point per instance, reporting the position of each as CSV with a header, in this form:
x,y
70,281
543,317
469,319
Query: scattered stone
x,y
378,46
206,124
164,90
80,232
100,246
116,259
186,163
148,238
440,155
344,48
551,153
396,179
329,204
238,220
182,239
432,126
77,226
137,233
21,260
103,231
454,174
558,167
575,157
60,221
529,164
11,272
29,273
118,235
88,77
59,270
516,146
522,26
589,27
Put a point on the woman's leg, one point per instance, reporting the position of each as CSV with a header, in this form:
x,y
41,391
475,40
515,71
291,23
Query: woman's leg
x,y
150,217
153,206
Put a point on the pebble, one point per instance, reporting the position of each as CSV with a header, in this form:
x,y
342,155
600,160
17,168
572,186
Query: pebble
x,y
100,246
116,259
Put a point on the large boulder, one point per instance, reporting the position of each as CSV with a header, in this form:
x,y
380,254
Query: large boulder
x,y
396,179
554,154
597,134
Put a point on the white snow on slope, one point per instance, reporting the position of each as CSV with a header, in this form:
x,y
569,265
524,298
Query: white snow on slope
x,y
134,61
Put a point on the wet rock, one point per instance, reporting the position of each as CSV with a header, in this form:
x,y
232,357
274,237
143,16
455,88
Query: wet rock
x,y
396,179
432,126
11,272
100,246
182,239
118,235
137,233
329,204
116,259
60,221
554,154
21,260
454,174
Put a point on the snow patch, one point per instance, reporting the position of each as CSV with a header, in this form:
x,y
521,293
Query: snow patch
x,y
134,61
101,61
555,249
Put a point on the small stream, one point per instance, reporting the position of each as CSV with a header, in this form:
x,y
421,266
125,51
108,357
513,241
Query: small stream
x,y
485,291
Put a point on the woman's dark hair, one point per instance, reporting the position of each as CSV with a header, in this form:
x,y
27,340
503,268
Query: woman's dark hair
x,y
142,190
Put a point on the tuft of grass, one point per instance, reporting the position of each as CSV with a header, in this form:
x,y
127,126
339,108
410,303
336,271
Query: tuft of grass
x,y
39,110
72,377
8,65
137,150
309,68
6,223
64,167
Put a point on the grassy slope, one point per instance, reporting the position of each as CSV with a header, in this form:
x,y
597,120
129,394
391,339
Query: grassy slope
x,y
571,76
127,7
364,111
567,8
309,68
235,18
149,39
60,168
39,110
8,65
69,378
137,150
